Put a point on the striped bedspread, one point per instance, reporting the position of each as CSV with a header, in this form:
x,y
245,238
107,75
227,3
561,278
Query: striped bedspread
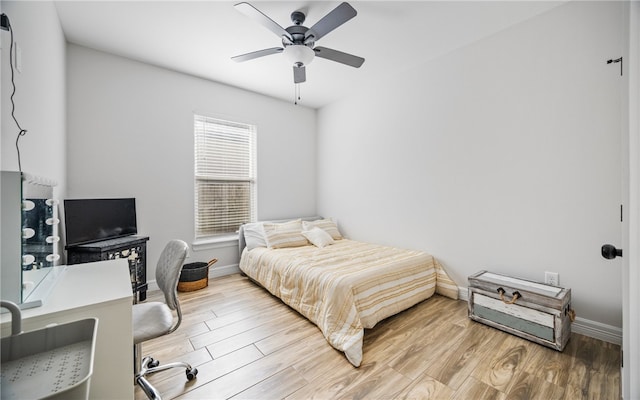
x,y
348,286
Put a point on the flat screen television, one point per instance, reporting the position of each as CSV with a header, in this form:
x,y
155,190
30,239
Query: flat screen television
x,y
92,220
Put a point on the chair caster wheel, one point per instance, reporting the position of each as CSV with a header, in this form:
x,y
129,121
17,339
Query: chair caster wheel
x,y
153,363
191,374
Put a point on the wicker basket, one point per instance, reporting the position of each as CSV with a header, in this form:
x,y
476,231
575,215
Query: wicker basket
x,y
194,276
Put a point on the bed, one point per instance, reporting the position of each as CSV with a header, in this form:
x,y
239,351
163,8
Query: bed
x,y
343,286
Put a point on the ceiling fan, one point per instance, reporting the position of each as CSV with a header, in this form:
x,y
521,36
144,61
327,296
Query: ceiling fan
x,y
298,41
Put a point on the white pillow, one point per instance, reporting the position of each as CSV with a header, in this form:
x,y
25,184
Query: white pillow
x,y
254,235
318,237
286,234
326,224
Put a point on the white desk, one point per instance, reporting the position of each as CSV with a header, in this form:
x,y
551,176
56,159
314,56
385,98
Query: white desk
x,y
101,290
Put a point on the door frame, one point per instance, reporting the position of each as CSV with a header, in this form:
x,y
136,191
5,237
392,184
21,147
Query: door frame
x,y
631,262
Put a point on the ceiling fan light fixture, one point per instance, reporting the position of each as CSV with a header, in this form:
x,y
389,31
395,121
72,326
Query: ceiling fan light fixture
x,y
299,54
299,42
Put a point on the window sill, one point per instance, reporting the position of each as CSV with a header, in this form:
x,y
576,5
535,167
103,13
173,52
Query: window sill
x,y
215,242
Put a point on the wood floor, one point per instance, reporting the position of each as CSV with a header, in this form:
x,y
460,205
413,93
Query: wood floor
x,y
246,344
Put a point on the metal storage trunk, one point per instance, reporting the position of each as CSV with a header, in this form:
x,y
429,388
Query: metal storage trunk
x,y
534,311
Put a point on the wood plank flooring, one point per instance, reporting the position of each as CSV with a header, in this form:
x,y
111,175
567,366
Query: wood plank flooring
x,y
247,344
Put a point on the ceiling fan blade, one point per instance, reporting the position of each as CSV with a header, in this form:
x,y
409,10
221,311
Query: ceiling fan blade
x,y
299,74
329,22
338,56
256,54
256,15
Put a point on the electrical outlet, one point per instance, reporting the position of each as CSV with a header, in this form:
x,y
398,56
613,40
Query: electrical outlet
x,y
551,278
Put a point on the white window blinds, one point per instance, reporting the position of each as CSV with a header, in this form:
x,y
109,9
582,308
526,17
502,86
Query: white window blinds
x,y
225,175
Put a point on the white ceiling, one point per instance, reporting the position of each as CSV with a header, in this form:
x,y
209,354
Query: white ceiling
x,y
200,37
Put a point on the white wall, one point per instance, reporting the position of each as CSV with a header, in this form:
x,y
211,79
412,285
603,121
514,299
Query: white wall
x,y
503,155
40,92
131,135
40,105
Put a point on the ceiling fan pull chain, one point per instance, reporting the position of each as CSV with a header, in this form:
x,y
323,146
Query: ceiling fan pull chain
x,y
296,94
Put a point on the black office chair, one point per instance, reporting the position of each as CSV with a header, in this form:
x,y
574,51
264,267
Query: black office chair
x,y
155,319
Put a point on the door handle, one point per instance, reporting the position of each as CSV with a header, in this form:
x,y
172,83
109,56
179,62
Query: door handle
x,y
610,252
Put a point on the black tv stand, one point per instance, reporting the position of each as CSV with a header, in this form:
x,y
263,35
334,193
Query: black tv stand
x,y
133,248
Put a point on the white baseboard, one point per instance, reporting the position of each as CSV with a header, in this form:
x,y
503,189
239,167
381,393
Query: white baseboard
x,y
597,330
582,326
214,272
223,270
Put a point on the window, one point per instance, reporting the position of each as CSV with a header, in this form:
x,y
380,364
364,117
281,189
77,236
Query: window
x,y
225,175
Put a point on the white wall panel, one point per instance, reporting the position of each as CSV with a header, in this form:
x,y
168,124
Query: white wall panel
x,y
131,135
40,105
502,155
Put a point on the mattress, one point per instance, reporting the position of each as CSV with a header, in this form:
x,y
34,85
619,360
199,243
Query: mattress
x,y
347,286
